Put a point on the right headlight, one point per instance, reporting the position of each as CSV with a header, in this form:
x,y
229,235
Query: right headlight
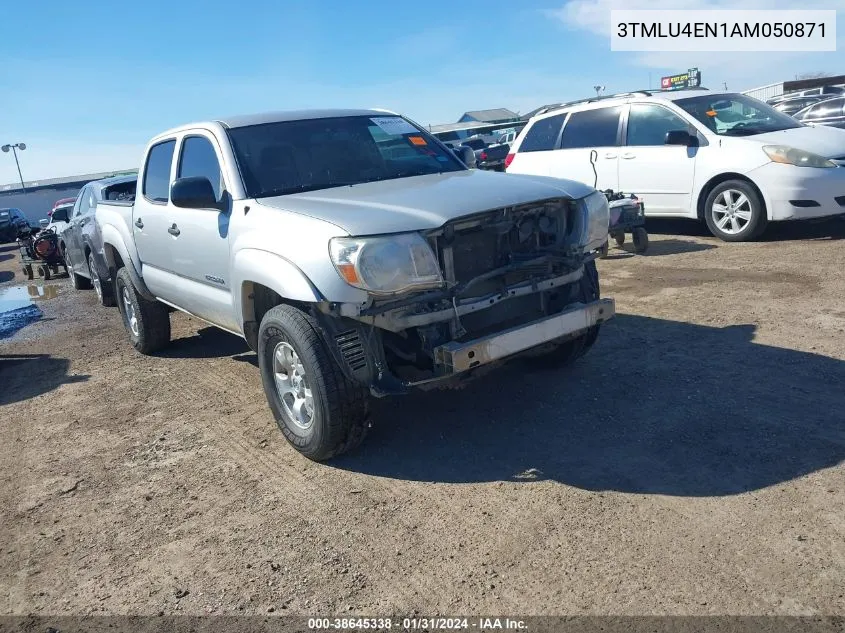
x,y
596,221
792,156
386,264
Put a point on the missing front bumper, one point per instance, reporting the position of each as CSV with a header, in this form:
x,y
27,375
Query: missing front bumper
x,y
453,358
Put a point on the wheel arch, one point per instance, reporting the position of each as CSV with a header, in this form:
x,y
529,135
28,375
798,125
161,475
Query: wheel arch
x,y
264,280
724,177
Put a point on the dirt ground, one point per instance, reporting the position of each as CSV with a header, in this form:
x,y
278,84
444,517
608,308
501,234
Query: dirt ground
x,y
692,463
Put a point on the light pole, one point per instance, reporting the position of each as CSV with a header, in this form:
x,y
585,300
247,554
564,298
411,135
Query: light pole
x,y
14,147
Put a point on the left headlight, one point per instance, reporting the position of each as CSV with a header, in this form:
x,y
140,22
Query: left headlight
x,y
793,156
596,222
386,265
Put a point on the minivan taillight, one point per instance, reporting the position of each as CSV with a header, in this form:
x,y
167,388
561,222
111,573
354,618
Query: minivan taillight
x,y
509,160
483,155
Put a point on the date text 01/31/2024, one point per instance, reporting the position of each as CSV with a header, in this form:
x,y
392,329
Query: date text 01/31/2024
x,y
716,29
416,623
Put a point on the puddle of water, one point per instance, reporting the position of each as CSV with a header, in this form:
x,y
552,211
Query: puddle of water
x,y
17,309
16,297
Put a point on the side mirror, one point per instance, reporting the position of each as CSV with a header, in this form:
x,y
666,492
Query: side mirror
x,y
681,137
195,192
465,155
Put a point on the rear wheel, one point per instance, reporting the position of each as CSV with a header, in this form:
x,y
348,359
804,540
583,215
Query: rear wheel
x,y
640,240
734,211
320,412
79,282
147,322
104,292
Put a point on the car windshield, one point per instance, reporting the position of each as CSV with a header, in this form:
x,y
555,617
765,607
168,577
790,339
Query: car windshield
x,y
309,154
737,115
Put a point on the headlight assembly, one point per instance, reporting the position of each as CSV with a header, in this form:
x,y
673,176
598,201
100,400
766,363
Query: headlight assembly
x,y
386,265
596,221
798,157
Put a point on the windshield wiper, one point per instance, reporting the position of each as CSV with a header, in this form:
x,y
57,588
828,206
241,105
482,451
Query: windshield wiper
x,y
283,191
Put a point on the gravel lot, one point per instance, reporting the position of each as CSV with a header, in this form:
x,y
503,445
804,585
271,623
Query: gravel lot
x,y
692,463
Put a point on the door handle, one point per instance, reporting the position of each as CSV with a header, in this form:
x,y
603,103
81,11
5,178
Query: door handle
x,y
628,156
609,155
139,223
174,230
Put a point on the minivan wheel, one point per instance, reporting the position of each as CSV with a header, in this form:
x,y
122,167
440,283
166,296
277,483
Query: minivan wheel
x,y
320,412
147,322
734,211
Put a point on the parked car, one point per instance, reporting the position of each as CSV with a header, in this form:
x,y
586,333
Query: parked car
x,y
12,220
59,203
81,241
59,217
829,112
724,158
810,92
352,273
796,104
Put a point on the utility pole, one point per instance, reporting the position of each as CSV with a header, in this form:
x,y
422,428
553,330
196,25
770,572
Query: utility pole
x,y
14,147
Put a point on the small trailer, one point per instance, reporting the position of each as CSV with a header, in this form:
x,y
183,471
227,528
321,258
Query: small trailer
x,y
40,253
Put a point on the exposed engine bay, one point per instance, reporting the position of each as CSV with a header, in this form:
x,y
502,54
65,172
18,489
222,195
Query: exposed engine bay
x,y
502,269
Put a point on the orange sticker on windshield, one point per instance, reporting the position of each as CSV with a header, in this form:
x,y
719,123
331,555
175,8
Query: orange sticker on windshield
x,y
710,113
417,140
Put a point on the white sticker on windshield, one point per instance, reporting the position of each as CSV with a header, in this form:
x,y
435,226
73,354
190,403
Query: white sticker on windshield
x,y
394,125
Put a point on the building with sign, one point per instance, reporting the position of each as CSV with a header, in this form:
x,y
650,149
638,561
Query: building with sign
x,y
689,79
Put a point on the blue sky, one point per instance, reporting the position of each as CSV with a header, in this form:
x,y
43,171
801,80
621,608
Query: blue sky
x,y
86,84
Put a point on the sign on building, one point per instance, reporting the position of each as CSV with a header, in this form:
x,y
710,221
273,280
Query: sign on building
x,y
689,79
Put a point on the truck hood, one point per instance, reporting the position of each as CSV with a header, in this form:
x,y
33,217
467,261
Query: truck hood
x,y
422,202
824,141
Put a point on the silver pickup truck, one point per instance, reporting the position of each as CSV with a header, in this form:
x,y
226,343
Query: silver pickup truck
x,y
357,255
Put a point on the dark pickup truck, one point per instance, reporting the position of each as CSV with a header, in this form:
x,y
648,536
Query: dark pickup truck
x,y
492,157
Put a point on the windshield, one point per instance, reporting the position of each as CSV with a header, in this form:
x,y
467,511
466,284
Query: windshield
x,y
736,115
293,156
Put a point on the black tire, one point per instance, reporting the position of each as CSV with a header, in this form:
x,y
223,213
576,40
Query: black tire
x,y
588,290
79,282
152,320
28,272
104,290
604,250
339,415
619,238
640,240
44,271
741,230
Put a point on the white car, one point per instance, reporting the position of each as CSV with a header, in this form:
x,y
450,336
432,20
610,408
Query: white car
x,y
725,158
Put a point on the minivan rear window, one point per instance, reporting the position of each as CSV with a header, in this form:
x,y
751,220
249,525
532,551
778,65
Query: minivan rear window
x,y
542,136
592,128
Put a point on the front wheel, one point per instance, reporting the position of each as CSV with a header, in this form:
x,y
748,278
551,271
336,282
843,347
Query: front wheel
x,y
734,211
147,322
320,412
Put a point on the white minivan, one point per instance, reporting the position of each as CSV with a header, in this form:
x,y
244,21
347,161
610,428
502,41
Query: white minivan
x,y
725,158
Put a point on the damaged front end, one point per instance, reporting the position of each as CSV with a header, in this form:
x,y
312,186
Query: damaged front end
x,y
512,280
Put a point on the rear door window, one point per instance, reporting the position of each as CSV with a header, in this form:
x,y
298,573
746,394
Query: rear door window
x,y
542,136
592,128
157,172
